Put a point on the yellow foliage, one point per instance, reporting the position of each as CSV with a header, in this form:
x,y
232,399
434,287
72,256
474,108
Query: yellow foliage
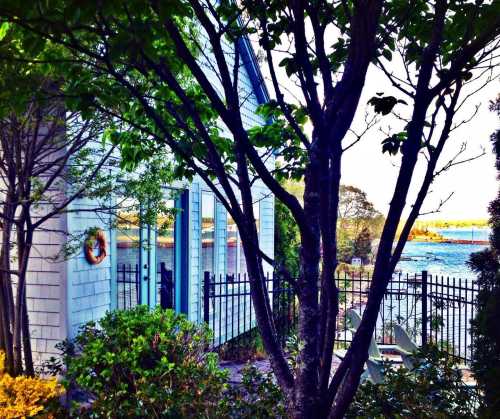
x,y
22,397
423,234
2,361
478,223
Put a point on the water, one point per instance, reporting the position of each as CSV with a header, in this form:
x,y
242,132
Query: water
x,y
446,263
448,259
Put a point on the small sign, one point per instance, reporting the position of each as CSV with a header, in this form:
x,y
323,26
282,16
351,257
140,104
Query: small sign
x,y
356,262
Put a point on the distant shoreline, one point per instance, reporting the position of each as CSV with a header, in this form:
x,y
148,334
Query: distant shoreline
x,y
448,241
440,224
438,235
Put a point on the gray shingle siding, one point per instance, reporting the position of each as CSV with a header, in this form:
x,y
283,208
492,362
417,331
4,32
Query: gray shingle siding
x,y
63,296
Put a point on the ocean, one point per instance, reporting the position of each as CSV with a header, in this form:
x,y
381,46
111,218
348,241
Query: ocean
x,y
450,307
447,259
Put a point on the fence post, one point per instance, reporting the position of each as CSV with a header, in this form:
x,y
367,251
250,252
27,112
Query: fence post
x,y
206,296
424,308
163,286
166,287
170,289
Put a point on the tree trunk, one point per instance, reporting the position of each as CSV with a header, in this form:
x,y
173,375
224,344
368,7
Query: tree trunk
x,y
330,189
6,335
383,267
17,331
6,309
382,272
263,313
29,368
307,382
21,327
23,272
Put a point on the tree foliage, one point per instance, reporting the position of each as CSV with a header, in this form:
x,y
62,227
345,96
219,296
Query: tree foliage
x,y
286,239
52,157
362,247
433,389
486,362
359,224
170,71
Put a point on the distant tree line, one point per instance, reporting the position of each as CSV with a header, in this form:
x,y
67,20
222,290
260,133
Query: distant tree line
x,y
360,226
147,65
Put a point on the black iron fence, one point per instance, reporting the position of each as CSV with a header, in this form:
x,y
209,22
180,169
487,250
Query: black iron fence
x,y
228,310
129,286
165,286
431,308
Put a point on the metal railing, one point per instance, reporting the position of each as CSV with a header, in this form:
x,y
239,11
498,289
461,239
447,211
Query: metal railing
x,y
228,310
432,309
129,286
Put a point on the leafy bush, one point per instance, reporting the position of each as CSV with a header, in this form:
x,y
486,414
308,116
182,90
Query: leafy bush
x,y
258,396
142,363
23,396
286,236
433,389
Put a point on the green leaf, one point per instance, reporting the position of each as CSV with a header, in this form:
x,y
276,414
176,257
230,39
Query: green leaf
x,y
4,27
384,105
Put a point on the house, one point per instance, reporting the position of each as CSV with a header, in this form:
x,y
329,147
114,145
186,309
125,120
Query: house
x,y
144,265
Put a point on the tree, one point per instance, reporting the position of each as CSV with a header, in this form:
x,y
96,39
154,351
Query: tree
x,y
148,64
355,210
50,159
362,247
486,360
358,221
286,241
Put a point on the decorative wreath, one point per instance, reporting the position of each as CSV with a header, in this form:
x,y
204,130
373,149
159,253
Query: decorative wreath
x,y
93,236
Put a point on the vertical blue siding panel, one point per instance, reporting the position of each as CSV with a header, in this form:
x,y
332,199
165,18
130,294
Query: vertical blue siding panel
x,y
220,239
195,296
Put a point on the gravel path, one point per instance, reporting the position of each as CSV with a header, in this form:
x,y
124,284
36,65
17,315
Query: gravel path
x,y
263,365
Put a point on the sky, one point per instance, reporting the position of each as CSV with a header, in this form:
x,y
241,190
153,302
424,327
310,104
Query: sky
x,y
472,185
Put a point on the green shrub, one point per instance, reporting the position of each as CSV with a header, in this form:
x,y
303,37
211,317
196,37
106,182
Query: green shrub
x,y
142,363
258,396
434,389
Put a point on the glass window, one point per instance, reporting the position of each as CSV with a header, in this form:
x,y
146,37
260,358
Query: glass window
x,y
128,232
207,231
256,214
165,248
128,253
165,236
231,247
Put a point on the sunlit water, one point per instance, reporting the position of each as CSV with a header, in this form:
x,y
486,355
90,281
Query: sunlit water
x,y
447,265
447,259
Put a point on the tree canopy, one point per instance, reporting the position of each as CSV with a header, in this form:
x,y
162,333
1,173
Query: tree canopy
x,y
170,73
